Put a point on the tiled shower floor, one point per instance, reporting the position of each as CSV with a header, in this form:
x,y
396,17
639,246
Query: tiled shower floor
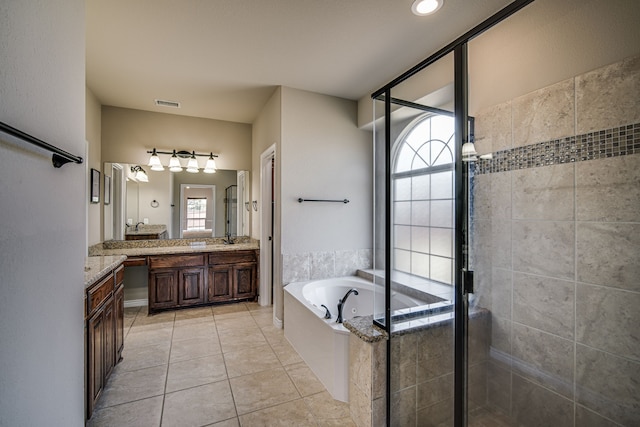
x,y
223,366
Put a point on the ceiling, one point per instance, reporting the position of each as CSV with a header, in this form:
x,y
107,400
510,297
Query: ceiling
x,y
222,59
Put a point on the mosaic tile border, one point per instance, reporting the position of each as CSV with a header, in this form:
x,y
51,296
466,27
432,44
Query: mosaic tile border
x,y
618,141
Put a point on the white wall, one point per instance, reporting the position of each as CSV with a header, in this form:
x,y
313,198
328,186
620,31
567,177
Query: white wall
x,y
324,156
127,135
42,239
93,129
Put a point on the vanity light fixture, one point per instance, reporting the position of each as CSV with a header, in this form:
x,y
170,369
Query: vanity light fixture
x,y
192,166
210,166
174,161
426,7
139,174
154,162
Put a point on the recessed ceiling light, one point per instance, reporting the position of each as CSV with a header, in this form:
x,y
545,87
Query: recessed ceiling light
x,y
425,7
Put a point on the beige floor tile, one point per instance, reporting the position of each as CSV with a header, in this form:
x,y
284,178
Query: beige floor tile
x,y
193,321
254,306
134,358
273,334
198,330
337,422
195,372
145,319
193,348
232,422
263,319
325,407
288,414
235,340
262,390
229,308
141,413
236,323
198,406
127,386
192,313
286,353
141,338
250,360
304,379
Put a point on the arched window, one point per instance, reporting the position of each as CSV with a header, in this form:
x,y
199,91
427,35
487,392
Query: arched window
x,y
423,199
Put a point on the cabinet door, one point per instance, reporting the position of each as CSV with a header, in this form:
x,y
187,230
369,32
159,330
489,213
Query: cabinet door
x,y
191,286
95,345
219,285
109,337
245,280
119,308
163,289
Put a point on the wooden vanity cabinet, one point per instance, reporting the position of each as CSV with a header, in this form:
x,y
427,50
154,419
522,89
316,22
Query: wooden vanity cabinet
x,y
104,314
233,275
177,281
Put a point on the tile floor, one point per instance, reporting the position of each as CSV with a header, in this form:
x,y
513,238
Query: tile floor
x,y
224,366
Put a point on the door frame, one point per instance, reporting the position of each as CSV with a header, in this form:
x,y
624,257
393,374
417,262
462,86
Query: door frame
x,y
268,248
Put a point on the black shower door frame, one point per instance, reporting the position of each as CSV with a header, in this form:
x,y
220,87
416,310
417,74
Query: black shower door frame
x,y
463,282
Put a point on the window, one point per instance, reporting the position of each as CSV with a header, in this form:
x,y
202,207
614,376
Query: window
x,y
423,199
196,213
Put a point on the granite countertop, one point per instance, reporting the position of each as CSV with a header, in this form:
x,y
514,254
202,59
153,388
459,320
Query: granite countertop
x,y
146,229
97,266
167,250
170,246
363,328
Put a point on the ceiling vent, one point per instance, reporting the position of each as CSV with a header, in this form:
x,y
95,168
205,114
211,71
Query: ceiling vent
x,y
165,103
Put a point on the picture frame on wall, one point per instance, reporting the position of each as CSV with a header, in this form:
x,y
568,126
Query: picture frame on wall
x,y
95,186
107,189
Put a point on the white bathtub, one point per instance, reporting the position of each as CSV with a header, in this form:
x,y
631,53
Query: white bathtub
x,y
323,343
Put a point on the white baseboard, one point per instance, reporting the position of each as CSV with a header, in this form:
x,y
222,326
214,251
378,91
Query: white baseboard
x,y
277,322
135,303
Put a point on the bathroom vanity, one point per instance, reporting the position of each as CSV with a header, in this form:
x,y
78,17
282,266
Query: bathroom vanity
x,y
192,272
104,322
177,281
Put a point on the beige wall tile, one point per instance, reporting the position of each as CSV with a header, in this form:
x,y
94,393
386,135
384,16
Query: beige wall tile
x,y
544,193
360,365
608,254
609,96
501,195
501,235
493,129
543,358
544,303
544,248
608,189
544,115
501,292
608,319
536,406
608,385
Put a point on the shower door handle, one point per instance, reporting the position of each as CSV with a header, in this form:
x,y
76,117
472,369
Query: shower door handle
x,y
467,281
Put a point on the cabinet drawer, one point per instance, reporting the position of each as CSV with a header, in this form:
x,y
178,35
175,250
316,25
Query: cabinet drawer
x,y
99,293
176,261
119,275
232,257
135,261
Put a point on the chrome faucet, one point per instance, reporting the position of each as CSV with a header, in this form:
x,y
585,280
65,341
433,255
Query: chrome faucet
x,y
139,224
342,302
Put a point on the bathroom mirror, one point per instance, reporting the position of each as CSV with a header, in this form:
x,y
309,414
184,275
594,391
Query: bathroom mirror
x,y
187,204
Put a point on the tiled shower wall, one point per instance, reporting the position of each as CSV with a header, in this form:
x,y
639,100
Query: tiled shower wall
x,y
557,250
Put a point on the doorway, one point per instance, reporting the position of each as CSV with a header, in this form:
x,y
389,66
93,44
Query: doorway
x,y
268,234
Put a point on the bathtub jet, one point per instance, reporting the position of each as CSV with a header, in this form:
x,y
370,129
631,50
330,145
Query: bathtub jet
x,y
343,301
